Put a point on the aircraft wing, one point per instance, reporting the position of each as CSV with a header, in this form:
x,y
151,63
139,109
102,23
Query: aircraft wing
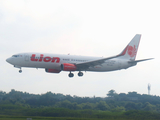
x,y
86,65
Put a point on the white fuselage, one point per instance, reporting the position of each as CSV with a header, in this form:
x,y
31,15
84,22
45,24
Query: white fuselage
x,y
54,61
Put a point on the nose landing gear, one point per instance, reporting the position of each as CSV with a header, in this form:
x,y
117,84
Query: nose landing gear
x,y
20,71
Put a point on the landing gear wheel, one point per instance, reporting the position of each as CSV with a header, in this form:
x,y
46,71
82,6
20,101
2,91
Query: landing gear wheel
x,y
80,74
70,74
20,71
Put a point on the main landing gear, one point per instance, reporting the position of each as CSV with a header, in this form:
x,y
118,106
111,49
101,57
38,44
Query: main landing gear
x,y
80,74
70,74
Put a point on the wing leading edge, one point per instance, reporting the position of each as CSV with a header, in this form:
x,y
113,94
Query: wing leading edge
x,y
86,65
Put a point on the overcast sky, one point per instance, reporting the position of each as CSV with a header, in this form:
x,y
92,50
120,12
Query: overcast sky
x,y
80,27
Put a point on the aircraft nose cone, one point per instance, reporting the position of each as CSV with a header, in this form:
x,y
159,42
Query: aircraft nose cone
x,y
8,60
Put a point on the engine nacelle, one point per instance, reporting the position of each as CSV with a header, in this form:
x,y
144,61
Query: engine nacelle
x,y
68,67
52,70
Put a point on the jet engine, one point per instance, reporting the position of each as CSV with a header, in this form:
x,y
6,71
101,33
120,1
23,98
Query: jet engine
x,y
68,67
52,70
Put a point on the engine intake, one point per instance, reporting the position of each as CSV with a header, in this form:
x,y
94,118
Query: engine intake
x,y
68,67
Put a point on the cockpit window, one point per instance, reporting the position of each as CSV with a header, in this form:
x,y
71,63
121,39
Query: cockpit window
x,y
15,56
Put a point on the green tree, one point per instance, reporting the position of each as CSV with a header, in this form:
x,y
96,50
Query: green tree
x,y
88,105
118,109
149,107
112,93
102,106
67,104
130,106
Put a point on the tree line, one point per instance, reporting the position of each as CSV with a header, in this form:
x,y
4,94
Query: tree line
x,y
112,102
124,106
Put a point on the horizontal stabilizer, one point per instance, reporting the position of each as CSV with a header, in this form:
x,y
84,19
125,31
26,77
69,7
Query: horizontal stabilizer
x,y
136,61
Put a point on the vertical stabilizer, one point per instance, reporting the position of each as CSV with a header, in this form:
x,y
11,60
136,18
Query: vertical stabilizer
x,y
131,49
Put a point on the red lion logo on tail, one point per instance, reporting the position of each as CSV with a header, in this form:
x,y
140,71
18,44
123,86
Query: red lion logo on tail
x,y
132,51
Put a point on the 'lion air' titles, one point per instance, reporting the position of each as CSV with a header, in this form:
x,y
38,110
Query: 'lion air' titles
x,y
45,59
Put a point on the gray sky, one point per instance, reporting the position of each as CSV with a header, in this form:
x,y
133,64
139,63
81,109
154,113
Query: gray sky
x,y
80,27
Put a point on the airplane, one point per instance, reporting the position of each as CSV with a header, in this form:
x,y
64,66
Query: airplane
x,y
55,63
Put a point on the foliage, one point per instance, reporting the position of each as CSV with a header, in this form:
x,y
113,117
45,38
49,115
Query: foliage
x,y
131,105
112,93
